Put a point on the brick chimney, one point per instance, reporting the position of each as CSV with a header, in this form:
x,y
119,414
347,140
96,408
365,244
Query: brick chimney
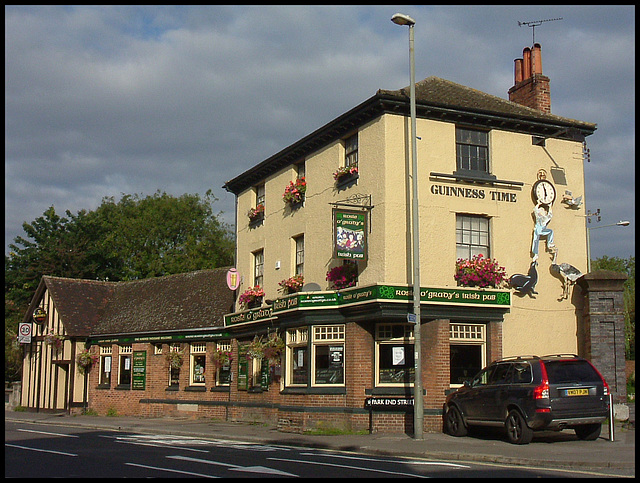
x,y
531,88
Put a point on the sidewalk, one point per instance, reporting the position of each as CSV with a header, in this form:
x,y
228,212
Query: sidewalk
x,y
548,449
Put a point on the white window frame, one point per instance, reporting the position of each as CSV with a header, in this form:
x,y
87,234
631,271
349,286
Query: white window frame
x,y
222,345
471,236
296,338
125,352
197,350
105,353
258,268
384,336
331,336
299,254
461,333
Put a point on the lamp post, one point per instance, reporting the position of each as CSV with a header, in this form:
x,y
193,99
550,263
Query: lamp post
x,y
620,223
418,410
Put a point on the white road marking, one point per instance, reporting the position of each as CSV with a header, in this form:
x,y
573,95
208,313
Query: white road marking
x,y
40,450
413,462
171,470
52,434
350,467
248,469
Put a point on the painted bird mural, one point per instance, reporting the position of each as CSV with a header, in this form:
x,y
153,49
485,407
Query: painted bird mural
x,y
569,200
525,284
568,273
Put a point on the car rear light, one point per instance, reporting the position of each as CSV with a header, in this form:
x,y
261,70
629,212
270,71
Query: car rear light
x,y
604,383
542,391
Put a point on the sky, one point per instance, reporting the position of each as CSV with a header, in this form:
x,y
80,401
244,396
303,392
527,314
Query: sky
x,y
102,101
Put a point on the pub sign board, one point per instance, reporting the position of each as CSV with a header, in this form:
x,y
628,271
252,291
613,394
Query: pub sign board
x,y
139,377
350,235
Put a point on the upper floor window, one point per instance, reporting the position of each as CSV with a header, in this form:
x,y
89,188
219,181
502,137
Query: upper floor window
x,y
258,268
300,170
472,236
299,254
472,150
351,151
260,195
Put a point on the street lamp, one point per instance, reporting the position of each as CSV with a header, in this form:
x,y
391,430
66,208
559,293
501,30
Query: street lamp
x,y
418,409
620,223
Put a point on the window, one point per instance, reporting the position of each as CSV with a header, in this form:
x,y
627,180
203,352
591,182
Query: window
x,y
351,151
258,268
299,240
472,236
297,357
472,150
395,363
300,170
105,365
260,195
467,351
174,372
197,362
124,369
157,349
328,355
223,373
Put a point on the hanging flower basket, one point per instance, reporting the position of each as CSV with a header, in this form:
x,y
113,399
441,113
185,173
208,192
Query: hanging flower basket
x,y
256,214
221,358
292,284
175,358
54,340
255,349
85,360
273,348
344,173
294,193
252,296
479,272
343,276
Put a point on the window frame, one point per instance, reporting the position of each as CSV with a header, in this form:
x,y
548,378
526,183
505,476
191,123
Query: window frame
x,y
226,346
474,231
351,144
468,334
465,161
298,242
296,339
258,267
327,336
106,352
388,339
174,373
125,352
197,350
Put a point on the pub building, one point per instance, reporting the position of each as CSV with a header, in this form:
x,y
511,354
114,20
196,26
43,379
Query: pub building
x,y
313,326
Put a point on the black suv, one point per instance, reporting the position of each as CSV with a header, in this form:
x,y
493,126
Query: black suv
x,y
528,393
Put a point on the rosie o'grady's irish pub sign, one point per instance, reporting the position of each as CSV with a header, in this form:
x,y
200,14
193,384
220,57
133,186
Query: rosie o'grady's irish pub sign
x,y
350,235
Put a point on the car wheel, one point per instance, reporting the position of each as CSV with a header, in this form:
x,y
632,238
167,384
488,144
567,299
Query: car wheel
x,y
517,430
588,432
454,424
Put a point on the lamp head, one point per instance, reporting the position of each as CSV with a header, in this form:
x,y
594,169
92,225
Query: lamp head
x,y
402,19
623,223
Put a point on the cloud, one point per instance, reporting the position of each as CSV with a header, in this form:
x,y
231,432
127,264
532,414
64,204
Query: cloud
x,y
101,101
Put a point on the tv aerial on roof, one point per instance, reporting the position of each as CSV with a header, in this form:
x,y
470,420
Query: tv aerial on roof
x,y
536,23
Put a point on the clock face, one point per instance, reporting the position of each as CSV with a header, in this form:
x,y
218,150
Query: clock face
x,y
544,192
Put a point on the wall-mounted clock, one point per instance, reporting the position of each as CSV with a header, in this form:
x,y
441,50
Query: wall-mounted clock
x,y
544,192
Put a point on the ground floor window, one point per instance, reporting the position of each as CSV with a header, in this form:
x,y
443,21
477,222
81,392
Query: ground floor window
x,y
174,369
198,360
395,363
297,357
223,370
105,365
124,366
468,345
328,355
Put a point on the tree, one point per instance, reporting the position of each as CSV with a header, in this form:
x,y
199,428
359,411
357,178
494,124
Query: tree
x,y
629,268
133,238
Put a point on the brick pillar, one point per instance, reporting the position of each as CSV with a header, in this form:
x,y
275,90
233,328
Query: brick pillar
x,y
601,327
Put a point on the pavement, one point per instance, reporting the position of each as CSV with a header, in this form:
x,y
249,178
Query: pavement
x,y
548,449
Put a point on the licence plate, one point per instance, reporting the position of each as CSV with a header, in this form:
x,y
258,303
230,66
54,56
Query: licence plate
x,y
577,392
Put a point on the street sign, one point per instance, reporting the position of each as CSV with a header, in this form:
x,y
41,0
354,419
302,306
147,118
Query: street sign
x,y
24,333
411,318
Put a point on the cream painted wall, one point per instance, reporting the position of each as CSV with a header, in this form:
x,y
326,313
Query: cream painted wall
x,y
541,324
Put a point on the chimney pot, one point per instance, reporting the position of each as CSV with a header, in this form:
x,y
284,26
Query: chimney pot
x,y
518,70
536,60
526,63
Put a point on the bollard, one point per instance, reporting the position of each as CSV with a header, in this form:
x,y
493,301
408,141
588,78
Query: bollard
x,y
611,420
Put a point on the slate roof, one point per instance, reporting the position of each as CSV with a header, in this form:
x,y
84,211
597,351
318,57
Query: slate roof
x,y
176,302
436,98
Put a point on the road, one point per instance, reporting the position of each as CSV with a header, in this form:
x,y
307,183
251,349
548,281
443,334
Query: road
x,y
41,450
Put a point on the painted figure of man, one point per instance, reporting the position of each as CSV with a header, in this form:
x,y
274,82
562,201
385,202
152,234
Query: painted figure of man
x,y
543,216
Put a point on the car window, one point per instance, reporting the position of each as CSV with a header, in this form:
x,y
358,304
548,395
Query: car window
x,y
483,377
522,373
563,372
501,375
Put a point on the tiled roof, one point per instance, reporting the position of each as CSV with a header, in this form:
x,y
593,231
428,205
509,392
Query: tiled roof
x,y
176,302
444,93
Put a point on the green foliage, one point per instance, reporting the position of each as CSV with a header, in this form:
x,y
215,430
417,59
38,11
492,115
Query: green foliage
x,y
133,238
628,267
